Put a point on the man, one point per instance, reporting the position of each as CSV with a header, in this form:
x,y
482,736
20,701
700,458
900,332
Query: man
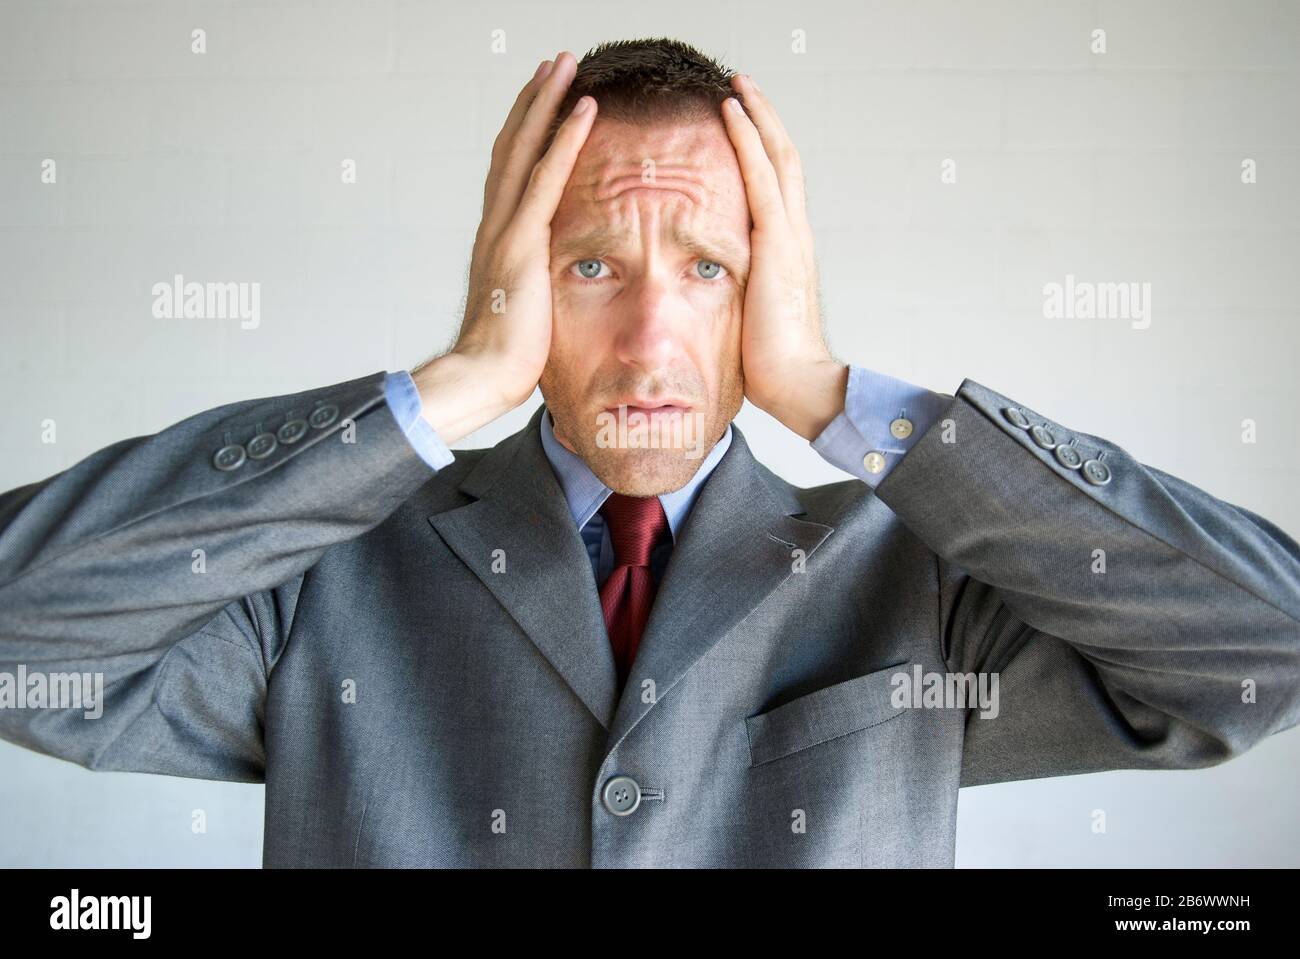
x,y
589,646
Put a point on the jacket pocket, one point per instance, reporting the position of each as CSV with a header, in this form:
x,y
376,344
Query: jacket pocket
x,y
824,714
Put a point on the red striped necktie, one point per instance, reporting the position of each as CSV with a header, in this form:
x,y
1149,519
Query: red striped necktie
x,y
635,525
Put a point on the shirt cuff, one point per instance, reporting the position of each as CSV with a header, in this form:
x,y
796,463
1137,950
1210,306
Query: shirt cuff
x,y
864,440
404,403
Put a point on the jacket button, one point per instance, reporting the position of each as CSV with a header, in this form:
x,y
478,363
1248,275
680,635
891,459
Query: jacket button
x,y
323,416
621,795
1096,472
261,446
1043,437
1016,417
291,432
229,457
1069,457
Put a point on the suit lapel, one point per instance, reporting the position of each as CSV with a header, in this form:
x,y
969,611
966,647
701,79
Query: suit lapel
x,y
735,548
547,586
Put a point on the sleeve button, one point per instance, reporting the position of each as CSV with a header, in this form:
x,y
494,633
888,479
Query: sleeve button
x,y
323,416
291,432
873,462
901,428
1043,437
1096,472
261,446
1069,457
229,457
1016,417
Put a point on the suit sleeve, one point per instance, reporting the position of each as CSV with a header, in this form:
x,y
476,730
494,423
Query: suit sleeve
x,y
1133,620
171,565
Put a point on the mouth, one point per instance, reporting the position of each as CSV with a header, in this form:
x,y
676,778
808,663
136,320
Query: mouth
x,y
650,409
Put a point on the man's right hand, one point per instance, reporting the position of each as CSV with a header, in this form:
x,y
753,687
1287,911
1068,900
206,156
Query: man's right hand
x,y
506,334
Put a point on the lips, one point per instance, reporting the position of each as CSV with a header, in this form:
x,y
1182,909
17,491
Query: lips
x,y
650,409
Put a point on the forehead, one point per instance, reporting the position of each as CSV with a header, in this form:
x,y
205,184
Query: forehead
x,y
685,174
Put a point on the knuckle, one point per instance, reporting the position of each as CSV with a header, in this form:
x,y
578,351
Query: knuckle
x,y
501,146
518,156
539,172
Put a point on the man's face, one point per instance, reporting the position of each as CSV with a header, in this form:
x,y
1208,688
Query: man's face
x,y
649,255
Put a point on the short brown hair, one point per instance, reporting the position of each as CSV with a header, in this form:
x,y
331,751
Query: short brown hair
x,y
648,80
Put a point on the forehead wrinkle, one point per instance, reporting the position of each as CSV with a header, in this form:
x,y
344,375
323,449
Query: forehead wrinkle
x,y
609,207
613,185
626,185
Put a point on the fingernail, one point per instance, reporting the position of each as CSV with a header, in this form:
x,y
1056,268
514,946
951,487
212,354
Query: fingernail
x,y
544,70
733,104
750,81
581,105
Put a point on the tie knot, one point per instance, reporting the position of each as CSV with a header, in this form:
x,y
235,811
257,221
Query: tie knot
x,y
635,525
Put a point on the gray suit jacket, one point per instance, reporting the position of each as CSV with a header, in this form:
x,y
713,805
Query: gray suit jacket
x,y
417,667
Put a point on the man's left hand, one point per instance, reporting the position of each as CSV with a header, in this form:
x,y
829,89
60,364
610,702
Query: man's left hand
x,y
789,371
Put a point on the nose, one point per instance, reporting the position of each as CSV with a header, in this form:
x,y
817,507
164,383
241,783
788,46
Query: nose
x,y
650,330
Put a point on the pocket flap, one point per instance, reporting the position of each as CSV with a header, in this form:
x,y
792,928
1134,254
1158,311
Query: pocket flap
x,y
824,714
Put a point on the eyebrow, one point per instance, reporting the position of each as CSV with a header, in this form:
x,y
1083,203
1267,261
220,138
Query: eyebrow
x,y
600,240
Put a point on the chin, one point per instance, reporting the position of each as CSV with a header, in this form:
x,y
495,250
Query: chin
x,y
644,472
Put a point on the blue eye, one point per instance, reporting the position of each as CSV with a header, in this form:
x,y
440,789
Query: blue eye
x,y
589,269
709,269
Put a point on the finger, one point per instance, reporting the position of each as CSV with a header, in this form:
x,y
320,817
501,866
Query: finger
x,y
520,154
513,120
766,204
764,115
546,183
512,154
782,153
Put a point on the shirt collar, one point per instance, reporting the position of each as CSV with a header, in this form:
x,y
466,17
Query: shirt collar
x,y
585,493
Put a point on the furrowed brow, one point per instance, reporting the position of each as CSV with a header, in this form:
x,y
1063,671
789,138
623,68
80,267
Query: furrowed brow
x,y
720,249
594,242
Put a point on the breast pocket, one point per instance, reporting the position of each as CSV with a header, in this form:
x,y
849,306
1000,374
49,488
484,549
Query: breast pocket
x,y
824,714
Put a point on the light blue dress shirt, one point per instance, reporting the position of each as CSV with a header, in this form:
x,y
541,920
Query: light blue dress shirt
x,y
585,495
872,402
